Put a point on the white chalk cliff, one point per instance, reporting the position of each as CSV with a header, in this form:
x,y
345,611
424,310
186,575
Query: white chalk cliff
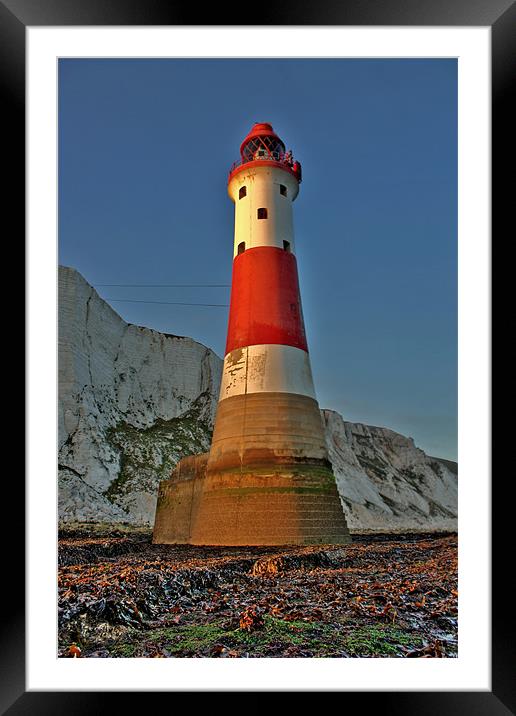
x,y
133,401
387,483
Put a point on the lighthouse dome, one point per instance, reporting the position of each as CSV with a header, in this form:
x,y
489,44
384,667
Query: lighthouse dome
x,y
262,147
262,142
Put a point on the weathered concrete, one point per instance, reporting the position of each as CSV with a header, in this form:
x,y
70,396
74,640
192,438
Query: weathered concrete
x,y
267,428
287,505
267,479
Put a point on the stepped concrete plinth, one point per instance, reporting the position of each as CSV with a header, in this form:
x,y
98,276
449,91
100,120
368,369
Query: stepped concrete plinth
x,y
266,505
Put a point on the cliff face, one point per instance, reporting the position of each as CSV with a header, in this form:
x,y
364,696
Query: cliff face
x,y
133,401
386,482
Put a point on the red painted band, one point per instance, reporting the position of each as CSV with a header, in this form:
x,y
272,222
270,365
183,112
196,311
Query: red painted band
x,y
265,302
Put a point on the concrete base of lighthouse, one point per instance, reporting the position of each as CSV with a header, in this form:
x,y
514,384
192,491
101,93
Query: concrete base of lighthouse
x,y
276,505
267,479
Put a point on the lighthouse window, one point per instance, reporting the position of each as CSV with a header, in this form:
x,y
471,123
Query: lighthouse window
x,y
286,246
241,247
262,213
282,190
242,192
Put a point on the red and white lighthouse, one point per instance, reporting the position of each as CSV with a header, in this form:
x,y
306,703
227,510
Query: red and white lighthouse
x,y
267,478
267,409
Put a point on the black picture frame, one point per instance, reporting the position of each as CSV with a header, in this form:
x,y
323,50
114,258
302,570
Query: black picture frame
x,y
500,15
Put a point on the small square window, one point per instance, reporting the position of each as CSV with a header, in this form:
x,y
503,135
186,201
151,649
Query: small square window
x,y
241,247
286,246
283,190
262,213
242,192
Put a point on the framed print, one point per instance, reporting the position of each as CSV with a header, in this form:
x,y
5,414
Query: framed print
x,y
42,47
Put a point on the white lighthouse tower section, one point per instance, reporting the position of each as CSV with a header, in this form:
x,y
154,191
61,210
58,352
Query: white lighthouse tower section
x,y
263,199
268,368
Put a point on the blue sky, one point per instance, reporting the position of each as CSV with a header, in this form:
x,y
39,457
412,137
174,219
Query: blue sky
x,y
144,151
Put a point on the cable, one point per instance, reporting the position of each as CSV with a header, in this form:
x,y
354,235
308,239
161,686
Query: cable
x,y
163,285
167,303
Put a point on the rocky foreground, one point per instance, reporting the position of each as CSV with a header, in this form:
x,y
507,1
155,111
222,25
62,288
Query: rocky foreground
x,y
382,596
133,401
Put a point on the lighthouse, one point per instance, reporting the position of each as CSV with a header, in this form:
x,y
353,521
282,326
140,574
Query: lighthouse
x,y
267,478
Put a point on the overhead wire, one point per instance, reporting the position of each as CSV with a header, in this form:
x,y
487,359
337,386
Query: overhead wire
x,y
167,303
163,285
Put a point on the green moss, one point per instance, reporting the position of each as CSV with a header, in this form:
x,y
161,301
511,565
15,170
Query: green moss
x,y
275,632
318,639
319,473
148,455
279,630
202,638
267,490
123,650
192,638
379,641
